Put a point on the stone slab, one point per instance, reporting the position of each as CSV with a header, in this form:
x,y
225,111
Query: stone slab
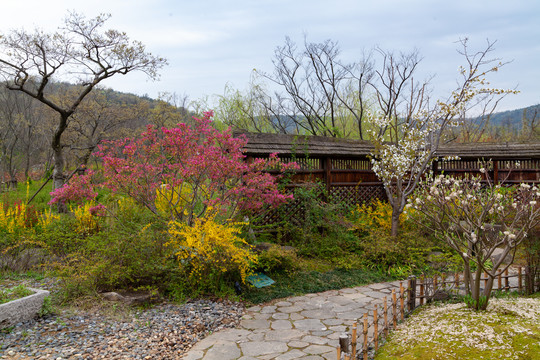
x,y
22,309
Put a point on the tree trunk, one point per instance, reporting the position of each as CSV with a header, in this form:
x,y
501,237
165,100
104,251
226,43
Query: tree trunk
x,y
395,221
58,155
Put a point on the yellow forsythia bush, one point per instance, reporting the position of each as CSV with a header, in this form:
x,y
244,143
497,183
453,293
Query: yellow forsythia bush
x,y
21,216
208,250
86,216
376,215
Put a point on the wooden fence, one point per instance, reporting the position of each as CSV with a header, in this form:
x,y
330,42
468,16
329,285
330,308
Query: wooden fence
x,y
370,330
344,170
344,165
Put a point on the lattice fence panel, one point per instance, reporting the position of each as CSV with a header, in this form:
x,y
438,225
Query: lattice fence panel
x,y
293,212
352,195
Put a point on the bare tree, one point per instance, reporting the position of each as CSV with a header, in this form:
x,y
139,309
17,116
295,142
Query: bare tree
x,y
80,51
319,87
98,118
21,137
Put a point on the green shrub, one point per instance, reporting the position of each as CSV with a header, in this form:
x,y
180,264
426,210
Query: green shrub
x,y
319,228
277,260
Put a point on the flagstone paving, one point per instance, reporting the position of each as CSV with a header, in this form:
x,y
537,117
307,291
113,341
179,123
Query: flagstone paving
x,y
301,327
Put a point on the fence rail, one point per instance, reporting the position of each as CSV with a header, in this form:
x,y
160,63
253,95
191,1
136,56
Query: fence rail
x,y
370,329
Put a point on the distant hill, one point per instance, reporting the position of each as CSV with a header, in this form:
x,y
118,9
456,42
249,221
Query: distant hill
x,y
514,118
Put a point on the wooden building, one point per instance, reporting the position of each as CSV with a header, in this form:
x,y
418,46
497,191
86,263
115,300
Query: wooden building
x,y
343,165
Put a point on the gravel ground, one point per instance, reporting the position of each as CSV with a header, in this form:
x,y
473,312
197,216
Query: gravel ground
x,y
164,331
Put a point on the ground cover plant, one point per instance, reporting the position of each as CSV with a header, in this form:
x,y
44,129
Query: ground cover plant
x,y
508,329
17,292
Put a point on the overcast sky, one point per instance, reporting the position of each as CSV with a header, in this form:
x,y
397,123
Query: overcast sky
x,y
211,43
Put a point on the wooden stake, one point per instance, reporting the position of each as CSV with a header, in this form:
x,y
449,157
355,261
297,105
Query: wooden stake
x,y
520,286
385,317
499,281
443,280
353,350
376,328
344,343
411,294
394,305
365,336
422,290
457,281
338,353
401,300
485,279
506,284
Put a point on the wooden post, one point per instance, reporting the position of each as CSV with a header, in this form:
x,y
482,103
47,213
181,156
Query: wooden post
x,y
327,166
422,280
520,288
365,349
385,317
485,279
344,343
443,281
338,352
354,337
506,284
499,281
394,306
401,299
435,284
495,172
376,328
435,168
529,285
411,293
456,280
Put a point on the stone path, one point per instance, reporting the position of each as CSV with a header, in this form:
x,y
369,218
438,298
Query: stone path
x,y
302,327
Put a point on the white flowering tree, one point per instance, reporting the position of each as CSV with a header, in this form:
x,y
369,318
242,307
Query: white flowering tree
x,y
406,128
475,219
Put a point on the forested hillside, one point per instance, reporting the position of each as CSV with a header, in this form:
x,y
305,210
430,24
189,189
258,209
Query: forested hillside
x,y
26,125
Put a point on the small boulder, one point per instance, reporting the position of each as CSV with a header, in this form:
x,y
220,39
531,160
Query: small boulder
x,y
113,296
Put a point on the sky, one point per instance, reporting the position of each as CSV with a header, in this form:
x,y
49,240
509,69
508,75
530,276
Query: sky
x,y
210,44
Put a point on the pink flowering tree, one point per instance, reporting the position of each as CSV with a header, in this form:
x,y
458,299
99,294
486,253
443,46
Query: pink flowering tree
x,y
78,190
475,220
184,172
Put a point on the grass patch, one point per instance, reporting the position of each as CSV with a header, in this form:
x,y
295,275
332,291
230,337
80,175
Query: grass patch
x,y
20,291
304,282
27,275
508,329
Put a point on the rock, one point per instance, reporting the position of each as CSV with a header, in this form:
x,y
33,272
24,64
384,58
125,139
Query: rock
x,y
113,296
497,254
